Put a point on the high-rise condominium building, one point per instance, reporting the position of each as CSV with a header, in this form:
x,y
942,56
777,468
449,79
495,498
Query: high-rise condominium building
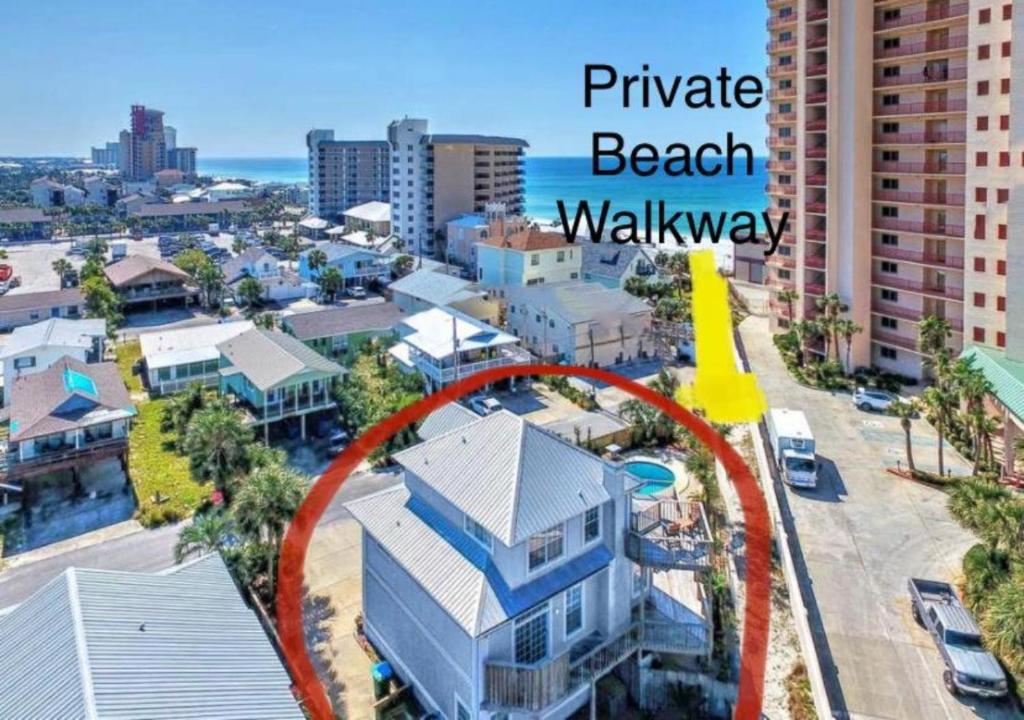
x,y
895,143
345,173
143,147
109,154
435,178
182,158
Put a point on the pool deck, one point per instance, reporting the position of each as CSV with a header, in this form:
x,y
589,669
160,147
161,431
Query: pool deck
x,y
685,486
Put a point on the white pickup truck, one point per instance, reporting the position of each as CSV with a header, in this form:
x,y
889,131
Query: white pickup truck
x,y
792,447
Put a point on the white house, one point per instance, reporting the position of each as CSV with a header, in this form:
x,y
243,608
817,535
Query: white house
x,y
580,323
279,284
521,254
511,571
229,191
429,288
175,359
34,348
612,264
446,345
49,193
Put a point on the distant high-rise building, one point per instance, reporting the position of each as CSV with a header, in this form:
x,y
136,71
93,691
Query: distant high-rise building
x,y
345,173
182,158
435,178
149,146
108,155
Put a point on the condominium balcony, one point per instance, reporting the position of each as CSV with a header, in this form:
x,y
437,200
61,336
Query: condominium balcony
x,y
919,198
937,44
778,69
815,261
819,41
779,141
901,341
816,152
924,107
920,168
55,453
921,227
816,289
818,208
926,137
816,124
817,180
776,165
911,314
779,93
773,189
816,15
814,234
817,69
926,76
668,534
889,252
781,117
781,20
938,290
786,261
928,15
777,45
816,98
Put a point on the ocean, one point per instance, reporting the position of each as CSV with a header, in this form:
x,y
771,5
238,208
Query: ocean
x,y
549,179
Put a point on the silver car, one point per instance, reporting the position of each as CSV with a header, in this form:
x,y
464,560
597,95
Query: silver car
x,y
877,400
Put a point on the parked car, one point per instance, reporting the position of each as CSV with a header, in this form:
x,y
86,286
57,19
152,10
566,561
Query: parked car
x,y
338,441
484,405
356,291
970,668
871,399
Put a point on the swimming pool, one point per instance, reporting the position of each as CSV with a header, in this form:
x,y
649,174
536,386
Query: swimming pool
x,y
657,477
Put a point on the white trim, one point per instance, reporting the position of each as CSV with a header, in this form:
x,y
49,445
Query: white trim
x,y
542,609
600,527
582,585
458,704
549,562
81,649
489,546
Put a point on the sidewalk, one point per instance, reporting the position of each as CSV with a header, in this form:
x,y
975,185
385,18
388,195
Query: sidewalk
x,y
79,542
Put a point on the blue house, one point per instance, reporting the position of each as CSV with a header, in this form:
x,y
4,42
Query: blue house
x,y
357,266
512,571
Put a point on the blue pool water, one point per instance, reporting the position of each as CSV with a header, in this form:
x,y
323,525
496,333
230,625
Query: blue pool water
x,y
657,477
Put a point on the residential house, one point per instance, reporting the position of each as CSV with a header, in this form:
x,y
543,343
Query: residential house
x,y
312,227
580,323
70,415
462,234
175,359
358,266
430,288
219,192
180,643
132,204
446,345
184,216
612,264
33,348
99,191
277,379
18,309
512,570
517,253
25,224
47,193
278,283
373,216
144,280
338,331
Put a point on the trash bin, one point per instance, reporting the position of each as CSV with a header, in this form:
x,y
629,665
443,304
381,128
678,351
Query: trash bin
x,y
381,673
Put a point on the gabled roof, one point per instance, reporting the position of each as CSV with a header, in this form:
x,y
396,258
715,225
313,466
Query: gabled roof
x,y
268,357
445,419
1006,375
530,239
165,348
436,288
134,267
373,211
343,320
234,267
579,302
611,260
67,395
509,475
24,215
55,332
103,644
436,330
15,301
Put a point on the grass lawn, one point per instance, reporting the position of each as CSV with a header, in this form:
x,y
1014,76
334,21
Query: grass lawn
x,y
163,483
127,355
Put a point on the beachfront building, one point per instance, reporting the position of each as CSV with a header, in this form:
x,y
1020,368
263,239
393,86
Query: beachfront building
x,y
277,380
444,176
580,323
371,217
180,643
280,284
19,309
346,173
358,266
895,152
612,264
34,348
425,289
141,280
511,571
445,345
340,331
518,253
176,358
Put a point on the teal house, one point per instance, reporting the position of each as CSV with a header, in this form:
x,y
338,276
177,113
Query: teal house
x,y
338,332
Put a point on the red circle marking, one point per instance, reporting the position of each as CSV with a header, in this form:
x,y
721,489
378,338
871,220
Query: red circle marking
x,y
755,516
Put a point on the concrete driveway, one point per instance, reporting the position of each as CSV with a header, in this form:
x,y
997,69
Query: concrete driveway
x,y
862,533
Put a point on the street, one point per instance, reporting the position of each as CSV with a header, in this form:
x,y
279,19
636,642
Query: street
x,y
862,534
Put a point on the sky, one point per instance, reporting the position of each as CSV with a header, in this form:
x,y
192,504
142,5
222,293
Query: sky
x,y
248,79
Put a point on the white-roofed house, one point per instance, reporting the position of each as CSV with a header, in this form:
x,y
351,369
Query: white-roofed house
x,y
445,345
34,348
430,288
373,216
180,357
512,570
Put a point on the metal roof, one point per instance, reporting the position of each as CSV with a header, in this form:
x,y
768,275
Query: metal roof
x,y
499,471
436,330
445,419
1006,375
436,288
343,320
579,302
373,211
268,358
55,332
457,139
166,348
135,267
15,301
180,644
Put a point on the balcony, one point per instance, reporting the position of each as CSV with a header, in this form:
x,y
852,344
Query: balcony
x,y
943,292
921,78
779,308
773,189
893,339
815,234
816,98
818,208
816,289
816,180
501,357
140,293
910,314
921,108
777,165
816,42
52,457
815,261
819,14
776,21
955,262
779,141
780,93
298,404
919,198
786,261
779,69
816,153
668,534
918,226
777,45
816,125
938,137
817,70
953,42
929,15
781,117
920,168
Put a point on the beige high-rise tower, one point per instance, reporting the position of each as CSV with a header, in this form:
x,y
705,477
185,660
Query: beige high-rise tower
x,y
891,146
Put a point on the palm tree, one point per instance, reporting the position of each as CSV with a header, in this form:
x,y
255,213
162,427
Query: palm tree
x,y
940,401
180,408
216,445
806,330
61,267
331,282
211,283
1003,621
265,505
969,498
316,259
207,533
789,297
831,307
847,329
402,265
985,569
906,410
932,333
250,292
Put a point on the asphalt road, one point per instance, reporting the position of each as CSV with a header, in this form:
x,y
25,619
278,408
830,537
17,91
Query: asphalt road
x,y
151,550
862,533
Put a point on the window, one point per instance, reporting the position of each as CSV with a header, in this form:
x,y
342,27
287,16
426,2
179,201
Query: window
x,y
591,524
889,323
979,227
1004,159
890,211
24,362
461,713
1007,11
560,256
982,122
981,159
1004,122
979,300
573,610
888,353
983,87
890,239
1000,303
979,264
531,636
983,52
1004,86
1000,267
478,533
535,259
979,334
889,295
163,373
1001,231
984,16
1004,49
980,194
890,267
1001,339
1002,195
545,547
